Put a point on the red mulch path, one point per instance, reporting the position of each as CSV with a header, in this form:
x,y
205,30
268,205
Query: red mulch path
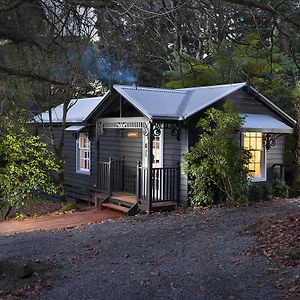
x,y
57,221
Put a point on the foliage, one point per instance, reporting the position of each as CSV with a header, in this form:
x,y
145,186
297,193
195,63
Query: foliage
x,y
69,206
26,163
260,191
20,216
263,191
217,162
189,72
280,188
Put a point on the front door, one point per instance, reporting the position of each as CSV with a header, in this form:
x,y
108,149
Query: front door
x,y
157,161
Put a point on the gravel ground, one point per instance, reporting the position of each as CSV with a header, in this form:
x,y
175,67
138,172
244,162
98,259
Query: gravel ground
x,y
200,255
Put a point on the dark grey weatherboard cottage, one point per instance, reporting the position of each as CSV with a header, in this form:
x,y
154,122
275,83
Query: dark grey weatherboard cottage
x,y
126,148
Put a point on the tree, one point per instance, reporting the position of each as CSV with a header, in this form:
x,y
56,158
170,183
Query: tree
x,y
217,162
43,44
26,165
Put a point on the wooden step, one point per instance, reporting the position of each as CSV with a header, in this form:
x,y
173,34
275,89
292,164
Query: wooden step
x,y
116,207
159,206
120,202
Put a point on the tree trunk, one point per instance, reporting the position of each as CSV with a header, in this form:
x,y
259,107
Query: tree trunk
x,y
7,212
62,188
297,133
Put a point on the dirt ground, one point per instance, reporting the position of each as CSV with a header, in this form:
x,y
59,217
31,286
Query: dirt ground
x,y
41,207
206,254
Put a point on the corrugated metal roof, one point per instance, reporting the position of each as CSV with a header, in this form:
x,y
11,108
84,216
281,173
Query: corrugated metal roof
x,y
175,104
265,123
78,112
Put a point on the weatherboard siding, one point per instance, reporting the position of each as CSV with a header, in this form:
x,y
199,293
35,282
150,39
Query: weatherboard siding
x,y
245,103
275,156
78,186
115,144
173,154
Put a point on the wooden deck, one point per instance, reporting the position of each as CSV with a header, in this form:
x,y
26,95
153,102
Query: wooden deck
x,y
124,201
124,197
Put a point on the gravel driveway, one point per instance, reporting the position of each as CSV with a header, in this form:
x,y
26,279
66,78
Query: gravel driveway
x,y
185,256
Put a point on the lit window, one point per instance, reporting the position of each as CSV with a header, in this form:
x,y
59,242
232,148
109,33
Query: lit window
x,y
83,153
253,141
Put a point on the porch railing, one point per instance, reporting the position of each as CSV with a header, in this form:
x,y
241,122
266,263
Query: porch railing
x,y
114,175
110,175
164,184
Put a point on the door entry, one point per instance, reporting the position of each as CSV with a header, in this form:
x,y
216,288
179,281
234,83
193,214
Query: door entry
x,y
157,151
157,162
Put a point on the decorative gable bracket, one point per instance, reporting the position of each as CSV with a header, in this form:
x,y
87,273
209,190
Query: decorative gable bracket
x,y
269,139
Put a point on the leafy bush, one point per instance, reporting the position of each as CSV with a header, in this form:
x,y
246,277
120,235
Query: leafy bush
x,y
217,164
261,191
280,188
26,164
20,216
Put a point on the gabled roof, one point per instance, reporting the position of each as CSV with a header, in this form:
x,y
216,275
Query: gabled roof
x,y
178,104
156,103
79,110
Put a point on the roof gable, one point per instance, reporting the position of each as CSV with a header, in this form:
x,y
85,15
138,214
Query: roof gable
x,y
175,104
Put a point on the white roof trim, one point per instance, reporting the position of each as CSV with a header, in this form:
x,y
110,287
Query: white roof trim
x,y
264,123
75,128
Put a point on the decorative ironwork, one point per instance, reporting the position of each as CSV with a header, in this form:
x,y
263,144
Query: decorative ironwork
x,y
121,124
156,129
175,131
269,140
100,129
145,129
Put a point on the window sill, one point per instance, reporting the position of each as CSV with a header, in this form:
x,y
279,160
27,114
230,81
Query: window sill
x,y
83,172
258,179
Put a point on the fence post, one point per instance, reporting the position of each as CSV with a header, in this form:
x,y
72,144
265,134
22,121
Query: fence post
x,y
149,167
178,183
138,188
122,173
109,176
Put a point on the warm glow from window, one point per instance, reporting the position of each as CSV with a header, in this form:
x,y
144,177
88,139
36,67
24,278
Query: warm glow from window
x,y
253,142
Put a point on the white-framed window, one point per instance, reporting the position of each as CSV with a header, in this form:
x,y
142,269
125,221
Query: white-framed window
x,y
83,153
253,141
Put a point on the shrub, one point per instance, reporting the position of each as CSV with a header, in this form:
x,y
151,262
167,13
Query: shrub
x,y
216,165
261,191
20,216
280,188
26,165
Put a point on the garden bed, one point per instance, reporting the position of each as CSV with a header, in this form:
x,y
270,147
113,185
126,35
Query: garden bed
x,y
40,207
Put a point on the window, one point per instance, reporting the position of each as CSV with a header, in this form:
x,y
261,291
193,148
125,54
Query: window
x,y
253,141
83,153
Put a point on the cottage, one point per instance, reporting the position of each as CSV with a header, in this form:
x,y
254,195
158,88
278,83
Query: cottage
x,y
125,149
